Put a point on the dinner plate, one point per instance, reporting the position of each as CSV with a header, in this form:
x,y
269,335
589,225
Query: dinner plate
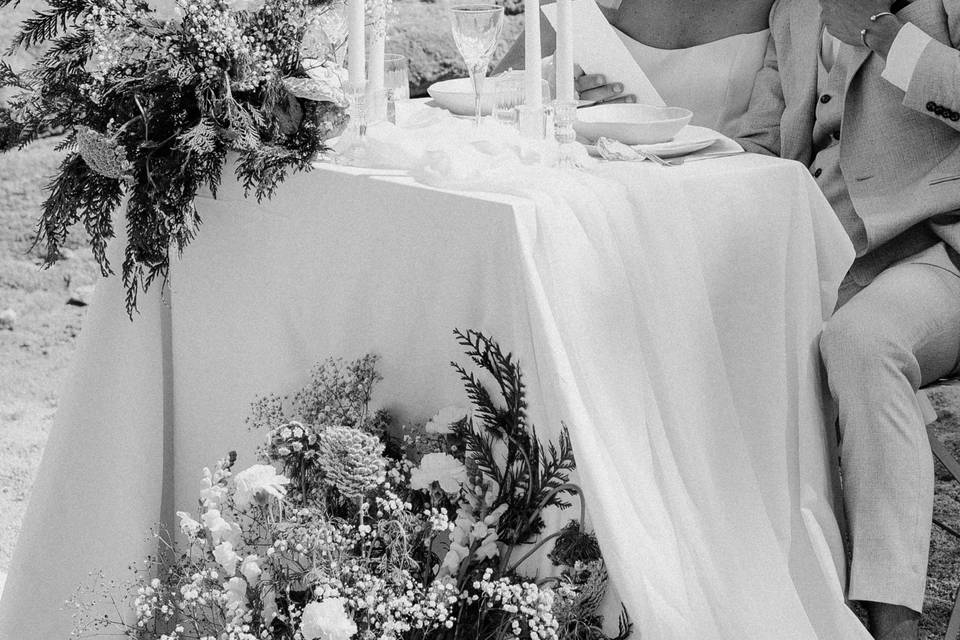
x,y
456,96
631,123
688,140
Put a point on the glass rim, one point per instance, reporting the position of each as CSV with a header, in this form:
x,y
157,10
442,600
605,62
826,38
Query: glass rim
x,y
475,7
394,57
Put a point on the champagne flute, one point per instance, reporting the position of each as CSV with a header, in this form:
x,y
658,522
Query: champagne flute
x,y
476,28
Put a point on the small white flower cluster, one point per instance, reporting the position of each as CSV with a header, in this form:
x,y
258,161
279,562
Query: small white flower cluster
x,y
398,604
119,46
534,604
217,41
149,605
439,520
290,438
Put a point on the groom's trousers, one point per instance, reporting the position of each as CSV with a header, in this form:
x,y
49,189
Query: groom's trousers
x,y
888,339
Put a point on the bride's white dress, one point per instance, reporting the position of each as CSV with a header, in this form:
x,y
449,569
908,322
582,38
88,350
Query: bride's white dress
x,y
714,80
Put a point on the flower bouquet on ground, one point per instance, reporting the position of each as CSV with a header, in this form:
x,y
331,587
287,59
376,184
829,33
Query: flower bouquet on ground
x,y
154,96
350,527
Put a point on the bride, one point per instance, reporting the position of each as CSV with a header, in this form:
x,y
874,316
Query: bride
x,y
701,55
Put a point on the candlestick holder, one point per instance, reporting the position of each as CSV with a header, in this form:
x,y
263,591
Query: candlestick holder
x,y
531,121
351,148
357,105
564,115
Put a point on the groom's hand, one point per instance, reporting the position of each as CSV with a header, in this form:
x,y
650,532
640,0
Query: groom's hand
x,y
595,88
845,19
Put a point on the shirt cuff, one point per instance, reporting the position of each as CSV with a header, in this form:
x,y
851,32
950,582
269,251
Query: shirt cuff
x,y
904,55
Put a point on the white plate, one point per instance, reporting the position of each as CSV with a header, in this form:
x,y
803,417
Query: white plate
x,y
631,123
456,96
690,139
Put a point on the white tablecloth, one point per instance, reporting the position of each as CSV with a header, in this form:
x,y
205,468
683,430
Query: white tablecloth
x,y
669,316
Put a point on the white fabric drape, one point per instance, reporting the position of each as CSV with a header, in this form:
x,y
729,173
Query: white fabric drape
x,y
669,316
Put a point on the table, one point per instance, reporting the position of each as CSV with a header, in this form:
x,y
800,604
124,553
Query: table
x,y
669,316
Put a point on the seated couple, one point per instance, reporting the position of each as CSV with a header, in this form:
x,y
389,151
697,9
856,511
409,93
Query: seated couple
x,y
868,96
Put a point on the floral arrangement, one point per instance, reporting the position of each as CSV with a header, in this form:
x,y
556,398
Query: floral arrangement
x,y
153,95
350,527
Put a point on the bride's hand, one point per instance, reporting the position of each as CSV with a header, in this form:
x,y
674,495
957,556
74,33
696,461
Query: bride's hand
x,y
595,88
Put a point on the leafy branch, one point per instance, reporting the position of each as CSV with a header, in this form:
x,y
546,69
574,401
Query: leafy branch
x,y
531,477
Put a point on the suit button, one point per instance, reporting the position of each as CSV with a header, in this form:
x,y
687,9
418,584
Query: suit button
x,y
836,135
818,173
931,106
825,98
938,110
955,116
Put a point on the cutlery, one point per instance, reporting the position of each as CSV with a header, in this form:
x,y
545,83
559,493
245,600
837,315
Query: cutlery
x,y
707,156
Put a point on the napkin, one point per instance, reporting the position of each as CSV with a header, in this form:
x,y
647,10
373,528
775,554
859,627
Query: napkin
x,y
598,49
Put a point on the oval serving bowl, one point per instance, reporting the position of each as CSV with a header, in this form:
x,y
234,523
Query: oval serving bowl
x,y
631,123
456,96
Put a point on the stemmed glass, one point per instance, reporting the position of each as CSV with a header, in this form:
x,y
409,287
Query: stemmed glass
x,y
476,28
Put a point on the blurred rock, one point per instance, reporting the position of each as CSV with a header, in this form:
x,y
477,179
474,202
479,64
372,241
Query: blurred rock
x,y
8,318
81,296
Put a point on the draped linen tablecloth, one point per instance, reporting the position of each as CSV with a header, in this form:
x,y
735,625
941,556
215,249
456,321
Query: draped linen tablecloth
x,y
669,316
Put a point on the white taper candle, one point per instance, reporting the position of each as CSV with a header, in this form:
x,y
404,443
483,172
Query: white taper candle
x,y
533,92
378,36
564,56
356,45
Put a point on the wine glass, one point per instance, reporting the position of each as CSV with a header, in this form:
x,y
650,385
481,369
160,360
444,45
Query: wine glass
x,y
476,28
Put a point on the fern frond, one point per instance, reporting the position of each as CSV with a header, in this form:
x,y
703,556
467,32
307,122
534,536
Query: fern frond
x,y
46,25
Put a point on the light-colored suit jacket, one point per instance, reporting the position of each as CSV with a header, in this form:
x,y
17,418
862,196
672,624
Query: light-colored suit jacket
x,y
899,153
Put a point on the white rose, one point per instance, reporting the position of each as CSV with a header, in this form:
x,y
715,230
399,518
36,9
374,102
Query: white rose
x,y
251,570
226,557
327,620
447,416
441,468
256,483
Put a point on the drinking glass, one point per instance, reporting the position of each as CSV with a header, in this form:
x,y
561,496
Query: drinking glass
x,y
476,28
510,95
396,82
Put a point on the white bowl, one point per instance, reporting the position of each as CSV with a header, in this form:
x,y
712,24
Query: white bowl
x,y
631,123
456,96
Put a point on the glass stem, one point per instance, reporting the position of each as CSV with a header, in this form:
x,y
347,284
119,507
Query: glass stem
x,y
478,73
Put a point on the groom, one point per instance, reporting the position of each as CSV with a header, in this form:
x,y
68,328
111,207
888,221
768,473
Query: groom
x,y
868,96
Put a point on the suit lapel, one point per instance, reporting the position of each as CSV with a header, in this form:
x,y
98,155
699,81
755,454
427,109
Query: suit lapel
x,y
857,56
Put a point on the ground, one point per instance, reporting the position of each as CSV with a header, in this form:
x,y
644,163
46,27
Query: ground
x,y
35,355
